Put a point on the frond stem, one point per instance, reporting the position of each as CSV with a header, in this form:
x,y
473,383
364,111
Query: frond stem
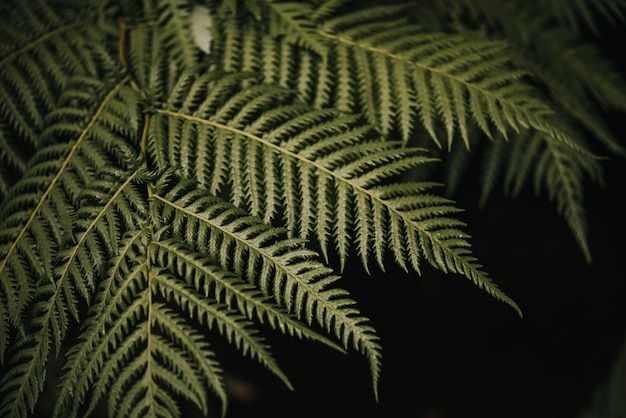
x,y
283,151
148,377
122,41
120,258
121,49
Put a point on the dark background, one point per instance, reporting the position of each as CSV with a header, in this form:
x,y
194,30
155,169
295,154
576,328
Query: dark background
x,y
452,351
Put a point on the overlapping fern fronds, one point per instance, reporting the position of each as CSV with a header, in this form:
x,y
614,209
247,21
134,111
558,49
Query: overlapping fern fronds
x,y
326,173
36,59
409,76
156,198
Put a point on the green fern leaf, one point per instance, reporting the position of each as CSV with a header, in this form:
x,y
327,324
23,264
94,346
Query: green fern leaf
x,y
575,72
447,81
179,360
230,323
560,171
229,289
326,8
281,267
505,102
177,355
550,167
162,201
326,168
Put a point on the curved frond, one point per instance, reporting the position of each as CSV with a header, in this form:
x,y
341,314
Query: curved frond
x,y
24,380
227,288
408,75
576,15
158,296
280,266
230,323
325,171
559,172
550,168
401,75
40,207
128,327
166,201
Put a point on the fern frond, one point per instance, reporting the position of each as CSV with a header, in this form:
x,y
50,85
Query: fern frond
x,y
282,267
231,290
158,343
453,82
550,168
457,77
85,358
56,173
98,229
408,74
187,345
577,79
492,165
589,75
326,8
164,202
29,218
162,342
152,339
325,171
560,172
230,323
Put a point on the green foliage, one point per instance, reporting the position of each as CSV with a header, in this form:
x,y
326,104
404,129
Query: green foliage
x,y
154,197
